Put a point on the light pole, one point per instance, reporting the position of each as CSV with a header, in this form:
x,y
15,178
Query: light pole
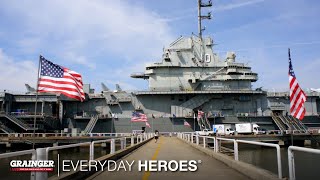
x,y
214,124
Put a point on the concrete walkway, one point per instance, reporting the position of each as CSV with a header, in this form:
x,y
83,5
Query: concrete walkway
x,y
173,149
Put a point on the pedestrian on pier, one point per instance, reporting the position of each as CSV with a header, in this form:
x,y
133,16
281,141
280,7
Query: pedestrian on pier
x,y
156,135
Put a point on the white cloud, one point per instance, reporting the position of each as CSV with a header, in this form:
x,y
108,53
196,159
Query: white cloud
x,y
87,33
14,74
234,5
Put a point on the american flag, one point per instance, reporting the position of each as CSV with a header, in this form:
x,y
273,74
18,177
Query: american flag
x,y
147,124
297,96
138,117
57,79
186,123
200,114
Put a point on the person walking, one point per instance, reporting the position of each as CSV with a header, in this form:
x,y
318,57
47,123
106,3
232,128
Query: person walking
x,y
156,135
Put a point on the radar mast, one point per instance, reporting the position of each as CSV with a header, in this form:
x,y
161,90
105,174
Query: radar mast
x,y
200,17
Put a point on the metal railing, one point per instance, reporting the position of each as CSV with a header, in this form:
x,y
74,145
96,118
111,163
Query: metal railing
x,y
42,153
64,134
189,138
20,153
291,149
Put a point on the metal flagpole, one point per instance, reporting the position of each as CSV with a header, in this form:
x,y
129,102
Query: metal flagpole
x,y
35,106
194,121
112,124
152,123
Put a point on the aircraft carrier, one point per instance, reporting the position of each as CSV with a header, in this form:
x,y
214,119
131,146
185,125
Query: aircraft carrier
x,y
189,77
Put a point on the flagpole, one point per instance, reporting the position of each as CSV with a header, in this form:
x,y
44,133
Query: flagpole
x,y
35,106
291,122
194,121
152,123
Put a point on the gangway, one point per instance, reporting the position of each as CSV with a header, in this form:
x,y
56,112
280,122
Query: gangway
x,y
278,122
5,129
19,122
91,124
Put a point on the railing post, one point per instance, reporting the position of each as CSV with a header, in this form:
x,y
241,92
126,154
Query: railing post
x,y
112,146
42,155
197,139
279,162
91,152
217,145
236,150
291,164
33,174
123,143
132,140
204,142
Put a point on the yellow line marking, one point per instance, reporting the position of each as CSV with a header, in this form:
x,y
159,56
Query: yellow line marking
x,y
154,157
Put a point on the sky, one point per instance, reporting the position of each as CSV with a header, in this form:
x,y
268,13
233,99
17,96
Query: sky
x,y
107,40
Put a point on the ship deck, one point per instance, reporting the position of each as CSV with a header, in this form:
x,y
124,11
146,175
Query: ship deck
x,y
201,92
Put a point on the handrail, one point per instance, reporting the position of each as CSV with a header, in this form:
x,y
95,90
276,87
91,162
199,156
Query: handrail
x,y
187,137
235,146
19,153
292,172
269,145
42,153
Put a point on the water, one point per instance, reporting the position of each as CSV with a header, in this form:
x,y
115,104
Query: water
x,y
307,165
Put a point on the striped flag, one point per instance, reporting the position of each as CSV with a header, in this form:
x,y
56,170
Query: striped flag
x,y
186,123
57,79
138,117
147,124
297,96
200,114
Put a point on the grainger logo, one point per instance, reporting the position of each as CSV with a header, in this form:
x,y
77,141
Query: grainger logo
x,y
24,165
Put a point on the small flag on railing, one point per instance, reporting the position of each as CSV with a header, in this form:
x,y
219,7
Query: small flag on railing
x,y
147,124
200,114
138,117
186,123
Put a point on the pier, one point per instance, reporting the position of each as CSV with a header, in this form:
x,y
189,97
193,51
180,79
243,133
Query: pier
x,y
212,157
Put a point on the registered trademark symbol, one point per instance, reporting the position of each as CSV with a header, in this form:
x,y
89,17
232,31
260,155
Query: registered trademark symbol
x,y
199,161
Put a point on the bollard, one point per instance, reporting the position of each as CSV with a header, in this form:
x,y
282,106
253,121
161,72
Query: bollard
x,y
204,142
132,140
112,146
41,155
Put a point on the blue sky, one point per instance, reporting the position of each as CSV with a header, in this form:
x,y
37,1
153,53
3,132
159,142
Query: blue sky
x,y
107,40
